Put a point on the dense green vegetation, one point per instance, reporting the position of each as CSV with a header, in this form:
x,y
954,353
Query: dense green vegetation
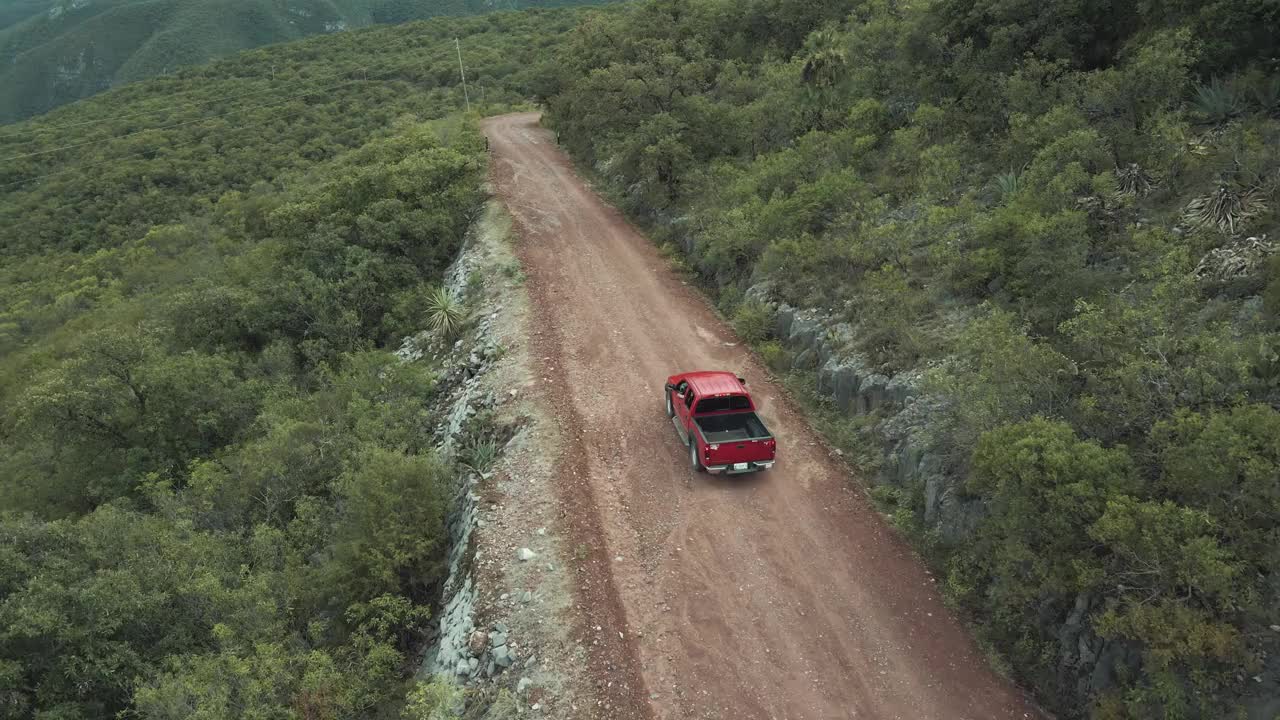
x,y
57,51
218,490
1059,210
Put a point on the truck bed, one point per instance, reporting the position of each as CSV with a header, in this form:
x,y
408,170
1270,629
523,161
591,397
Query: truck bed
x,y
732,427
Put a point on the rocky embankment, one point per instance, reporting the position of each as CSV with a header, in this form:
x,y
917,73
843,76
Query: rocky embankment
x,y
503,618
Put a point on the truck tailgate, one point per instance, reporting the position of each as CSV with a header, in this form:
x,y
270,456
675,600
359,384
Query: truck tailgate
x,y
735,438
739,452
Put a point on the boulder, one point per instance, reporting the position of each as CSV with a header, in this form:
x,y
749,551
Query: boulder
x,y
957,518
905,464
825,351
933,487
1115,660
782,321
875,391
908,463
846,381
478,641
901,387
827,378
804,333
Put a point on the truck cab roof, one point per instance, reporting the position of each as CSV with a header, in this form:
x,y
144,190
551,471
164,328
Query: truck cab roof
x,y
713,383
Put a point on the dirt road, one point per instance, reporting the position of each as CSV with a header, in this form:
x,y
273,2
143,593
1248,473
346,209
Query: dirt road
x,y
778,595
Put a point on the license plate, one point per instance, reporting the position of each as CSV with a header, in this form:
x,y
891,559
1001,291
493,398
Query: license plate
x,y
739,466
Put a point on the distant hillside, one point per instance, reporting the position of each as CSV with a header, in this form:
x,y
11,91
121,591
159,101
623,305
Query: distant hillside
x,y
251,250
58,51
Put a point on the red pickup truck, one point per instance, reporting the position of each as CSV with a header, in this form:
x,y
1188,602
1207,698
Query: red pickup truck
x,y
716,418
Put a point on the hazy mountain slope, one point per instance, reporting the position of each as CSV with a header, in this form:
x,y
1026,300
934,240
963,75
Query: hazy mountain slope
x,y
53,53
250,248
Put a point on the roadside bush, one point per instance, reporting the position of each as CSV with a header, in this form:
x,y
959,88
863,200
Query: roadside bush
x,y
389,534
774,355
753,321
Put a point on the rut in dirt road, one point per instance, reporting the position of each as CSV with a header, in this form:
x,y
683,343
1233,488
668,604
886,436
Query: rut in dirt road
x,y
778,595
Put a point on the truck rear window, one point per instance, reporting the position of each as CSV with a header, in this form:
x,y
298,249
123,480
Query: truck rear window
x,y
720,404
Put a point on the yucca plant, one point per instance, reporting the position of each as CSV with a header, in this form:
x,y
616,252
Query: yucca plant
x,y
1006,183
1225,209
1218,101
1133,180
444,312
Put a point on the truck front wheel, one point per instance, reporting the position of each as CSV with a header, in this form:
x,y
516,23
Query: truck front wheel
x,y
694,461
671,411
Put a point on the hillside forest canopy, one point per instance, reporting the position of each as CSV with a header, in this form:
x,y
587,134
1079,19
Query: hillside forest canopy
x,y
1063,217
220,490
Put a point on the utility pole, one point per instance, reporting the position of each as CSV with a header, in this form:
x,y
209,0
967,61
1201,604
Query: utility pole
x,y
463,71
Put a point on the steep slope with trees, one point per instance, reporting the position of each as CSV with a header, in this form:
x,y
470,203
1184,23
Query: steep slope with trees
x,y
59,51
1061,218
219,495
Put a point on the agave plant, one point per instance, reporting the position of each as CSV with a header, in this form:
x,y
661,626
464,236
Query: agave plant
x,y
1218,101
481,455
1006,183
1133,180
1225,209
444,312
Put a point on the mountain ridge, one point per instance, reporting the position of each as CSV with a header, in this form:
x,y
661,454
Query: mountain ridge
x,y
59,52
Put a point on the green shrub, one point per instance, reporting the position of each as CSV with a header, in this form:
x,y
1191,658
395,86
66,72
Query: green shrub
x,y
776,357
390,534
435,699
753,321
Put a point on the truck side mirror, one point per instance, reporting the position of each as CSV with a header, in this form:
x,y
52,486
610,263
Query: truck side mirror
x,y
742,380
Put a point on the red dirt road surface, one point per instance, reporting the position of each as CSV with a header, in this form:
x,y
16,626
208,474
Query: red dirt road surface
x,y
776,595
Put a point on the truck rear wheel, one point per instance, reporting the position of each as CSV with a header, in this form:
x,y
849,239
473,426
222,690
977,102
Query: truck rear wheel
x,y
694,461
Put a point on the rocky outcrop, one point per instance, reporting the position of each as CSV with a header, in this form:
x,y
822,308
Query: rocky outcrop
x,y
895,403
459,651
818,342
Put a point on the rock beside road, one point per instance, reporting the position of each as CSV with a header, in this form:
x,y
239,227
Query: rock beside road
x,y
477,643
